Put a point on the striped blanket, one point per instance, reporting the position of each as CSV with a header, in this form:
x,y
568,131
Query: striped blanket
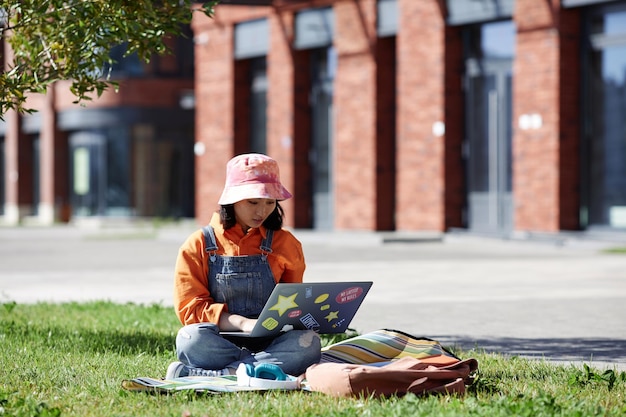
x,y
383,346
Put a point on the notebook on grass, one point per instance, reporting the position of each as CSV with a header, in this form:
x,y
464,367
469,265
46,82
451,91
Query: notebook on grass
x,y
325,307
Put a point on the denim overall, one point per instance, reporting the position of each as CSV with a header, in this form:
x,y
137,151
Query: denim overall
x,y
244,283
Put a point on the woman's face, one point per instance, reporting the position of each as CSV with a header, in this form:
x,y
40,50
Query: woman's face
x,y
253,212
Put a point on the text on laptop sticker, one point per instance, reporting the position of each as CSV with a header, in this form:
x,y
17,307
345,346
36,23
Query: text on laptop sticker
x,y
348,295
309,322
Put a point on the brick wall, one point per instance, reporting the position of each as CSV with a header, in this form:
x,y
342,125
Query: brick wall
x,y
360,170
417,181
216,102
354,101
214,110
419,201
536,92
281,137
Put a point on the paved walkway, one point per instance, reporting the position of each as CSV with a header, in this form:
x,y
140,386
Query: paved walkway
x,y
563,301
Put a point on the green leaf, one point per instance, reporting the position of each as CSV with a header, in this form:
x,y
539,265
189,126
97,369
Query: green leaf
x,y
57,40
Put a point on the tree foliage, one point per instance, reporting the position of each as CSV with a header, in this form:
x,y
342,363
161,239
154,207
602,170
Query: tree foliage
x,y
54,40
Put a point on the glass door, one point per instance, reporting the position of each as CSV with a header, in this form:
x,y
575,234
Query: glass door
x,y
258,105
323,71
488,79
604,110
88,174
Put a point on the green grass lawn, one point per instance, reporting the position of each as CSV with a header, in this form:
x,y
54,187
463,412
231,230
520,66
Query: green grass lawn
x,y
70,359
620,250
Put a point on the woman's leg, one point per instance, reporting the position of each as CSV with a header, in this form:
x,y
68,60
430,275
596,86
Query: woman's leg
x,y
293,351
201,346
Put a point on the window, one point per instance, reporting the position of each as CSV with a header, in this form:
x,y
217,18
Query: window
x,y
604,147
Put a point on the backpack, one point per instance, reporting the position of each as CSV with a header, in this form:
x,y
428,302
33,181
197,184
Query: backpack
x,y
389,362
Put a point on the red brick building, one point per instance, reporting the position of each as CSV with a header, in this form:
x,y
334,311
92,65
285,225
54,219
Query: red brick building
x,y
126,154
490,116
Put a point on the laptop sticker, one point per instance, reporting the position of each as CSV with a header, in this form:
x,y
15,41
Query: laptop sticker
x,y
332,316
349,295
285,303
309,322
270,323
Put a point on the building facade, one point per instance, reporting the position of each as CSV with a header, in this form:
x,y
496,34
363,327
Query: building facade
x,y
494,116
126,154
491,116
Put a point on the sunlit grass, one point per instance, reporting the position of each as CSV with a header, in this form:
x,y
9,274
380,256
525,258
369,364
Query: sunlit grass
x,y
70,359
617,250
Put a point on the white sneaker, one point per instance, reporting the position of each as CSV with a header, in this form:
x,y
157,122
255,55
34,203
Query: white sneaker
x,y
178,370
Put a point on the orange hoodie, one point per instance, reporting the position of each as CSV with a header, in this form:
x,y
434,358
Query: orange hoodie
x,y
192,300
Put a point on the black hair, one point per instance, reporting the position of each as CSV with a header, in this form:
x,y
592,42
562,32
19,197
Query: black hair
x,y
273,222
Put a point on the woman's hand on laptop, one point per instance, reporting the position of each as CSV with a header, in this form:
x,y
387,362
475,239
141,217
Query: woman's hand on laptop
x,y
235,322
248,324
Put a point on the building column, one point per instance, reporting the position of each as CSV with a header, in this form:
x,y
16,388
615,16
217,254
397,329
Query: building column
x,y
354,159
47,170
536,117
420,116
214,91
11,166
280,110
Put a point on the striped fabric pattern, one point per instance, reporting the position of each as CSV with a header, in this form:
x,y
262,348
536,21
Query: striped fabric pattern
x,y
383,346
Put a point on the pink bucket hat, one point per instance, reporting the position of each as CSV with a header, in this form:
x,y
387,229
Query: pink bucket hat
x,y
252,175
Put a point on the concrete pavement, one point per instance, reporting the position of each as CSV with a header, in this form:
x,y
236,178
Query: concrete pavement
x,y
562,300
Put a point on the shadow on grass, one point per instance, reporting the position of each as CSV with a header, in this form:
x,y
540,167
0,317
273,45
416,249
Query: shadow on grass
x,y
564,349
91,340
131,343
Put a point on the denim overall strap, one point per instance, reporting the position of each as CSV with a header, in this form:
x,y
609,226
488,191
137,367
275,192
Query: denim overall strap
x,y
266,244
243,283
209,242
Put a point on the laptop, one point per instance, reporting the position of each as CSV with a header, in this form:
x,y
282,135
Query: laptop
x,y
325,307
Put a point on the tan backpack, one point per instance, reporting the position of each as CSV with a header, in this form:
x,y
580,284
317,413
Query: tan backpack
x,y
396,378
389,362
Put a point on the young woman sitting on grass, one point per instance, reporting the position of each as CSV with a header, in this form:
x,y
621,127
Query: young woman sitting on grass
x,y
223,280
